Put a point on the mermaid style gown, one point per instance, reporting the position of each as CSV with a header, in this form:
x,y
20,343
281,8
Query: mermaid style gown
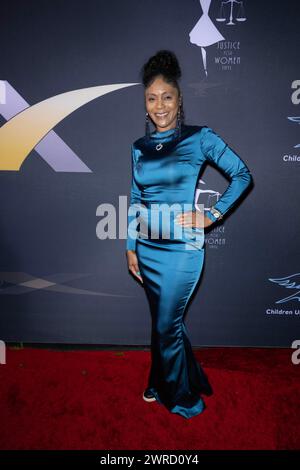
x,y
165,171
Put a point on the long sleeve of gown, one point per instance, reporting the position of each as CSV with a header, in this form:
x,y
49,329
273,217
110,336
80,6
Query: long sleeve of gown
x,y
217,151
135,198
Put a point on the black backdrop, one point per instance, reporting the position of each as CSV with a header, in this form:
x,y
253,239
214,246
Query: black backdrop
x,y
59,282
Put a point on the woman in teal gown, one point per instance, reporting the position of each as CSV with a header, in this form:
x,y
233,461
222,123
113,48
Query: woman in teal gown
x,y
165,240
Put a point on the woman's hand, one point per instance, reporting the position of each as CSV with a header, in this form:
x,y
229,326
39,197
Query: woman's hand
x,y
133,264
194,219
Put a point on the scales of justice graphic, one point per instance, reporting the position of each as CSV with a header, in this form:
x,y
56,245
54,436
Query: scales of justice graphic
x,y
205,33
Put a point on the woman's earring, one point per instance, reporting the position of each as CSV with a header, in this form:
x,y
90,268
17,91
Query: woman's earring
x,y
147,126
179,122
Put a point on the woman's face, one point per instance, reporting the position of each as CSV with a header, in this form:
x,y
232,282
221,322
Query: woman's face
x,y
162,102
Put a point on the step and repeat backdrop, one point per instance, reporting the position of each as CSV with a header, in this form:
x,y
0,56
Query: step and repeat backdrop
x,y
72,103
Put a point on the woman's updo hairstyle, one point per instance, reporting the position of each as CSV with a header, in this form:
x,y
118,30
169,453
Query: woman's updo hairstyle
x,y
164,63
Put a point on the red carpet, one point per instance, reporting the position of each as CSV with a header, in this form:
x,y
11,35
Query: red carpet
x,y
93,400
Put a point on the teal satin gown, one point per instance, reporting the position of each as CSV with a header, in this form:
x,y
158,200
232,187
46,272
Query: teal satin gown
x,y
165,171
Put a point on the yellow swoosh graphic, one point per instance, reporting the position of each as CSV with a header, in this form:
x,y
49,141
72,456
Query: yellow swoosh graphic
x,y
25,130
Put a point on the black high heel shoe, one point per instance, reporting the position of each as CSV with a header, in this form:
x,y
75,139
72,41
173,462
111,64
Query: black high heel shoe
x,y
148,395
